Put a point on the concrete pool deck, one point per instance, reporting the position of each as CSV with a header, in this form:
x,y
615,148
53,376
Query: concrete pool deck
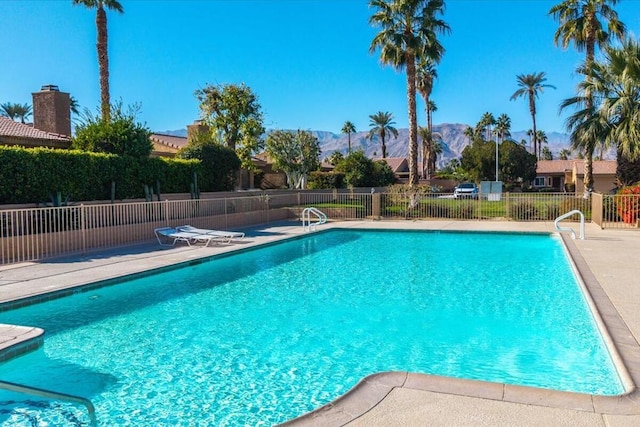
x,y
606,259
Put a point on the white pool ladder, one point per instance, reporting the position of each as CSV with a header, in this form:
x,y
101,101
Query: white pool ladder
x,y
319,217
568,229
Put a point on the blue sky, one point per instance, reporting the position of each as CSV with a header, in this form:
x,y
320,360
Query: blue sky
x,y
307,60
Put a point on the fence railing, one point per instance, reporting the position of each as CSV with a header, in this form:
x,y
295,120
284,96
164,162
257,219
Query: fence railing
x,y
40,233
618,210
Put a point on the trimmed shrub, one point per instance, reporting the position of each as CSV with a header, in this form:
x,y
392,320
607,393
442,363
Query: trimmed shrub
x,y
320,180
35,175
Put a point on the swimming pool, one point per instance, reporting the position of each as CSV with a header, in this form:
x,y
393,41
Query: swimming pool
x,y
268,334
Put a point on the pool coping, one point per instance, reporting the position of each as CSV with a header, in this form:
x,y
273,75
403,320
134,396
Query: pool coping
x,y
373,389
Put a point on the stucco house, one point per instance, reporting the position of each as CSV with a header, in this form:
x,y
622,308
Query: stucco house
x,y
399,166
51,122
568,175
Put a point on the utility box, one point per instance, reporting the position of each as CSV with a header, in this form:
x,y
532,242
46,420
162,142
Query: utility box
x,y
492,190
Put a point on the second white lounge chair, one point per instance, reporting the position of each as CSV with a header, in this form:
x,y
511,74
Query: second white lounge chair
x,y
168,236
226,236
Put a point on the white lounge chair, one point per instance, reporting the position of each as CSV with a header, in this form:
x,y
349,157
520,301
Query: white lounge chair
x,y
168,236
226,236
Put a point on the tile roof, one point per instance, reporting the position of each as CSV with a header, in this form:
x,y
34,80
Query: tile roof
x,y
19,130
397,164
172,141
600,167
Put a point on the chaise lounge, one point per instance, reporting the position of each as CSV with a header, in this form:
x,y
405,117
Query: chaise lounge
x,y
168,236
225,236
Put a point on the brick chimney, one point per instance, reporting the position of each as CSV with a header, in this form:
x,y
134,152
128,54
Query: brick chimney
x,y
52,110
195,129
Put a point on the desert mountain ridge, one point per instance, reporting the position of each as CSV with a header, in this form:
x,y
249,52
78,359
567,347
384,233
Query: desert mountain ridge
x,y
453,139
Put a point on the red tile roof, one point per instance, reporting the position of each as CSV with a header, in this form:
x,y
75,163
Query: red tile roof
x,y
600,167
19,130
397,164
172,141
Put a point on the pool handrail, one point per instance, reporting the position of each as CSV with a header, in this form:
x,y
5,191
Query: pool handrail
x,y
306,218
54,395
570,230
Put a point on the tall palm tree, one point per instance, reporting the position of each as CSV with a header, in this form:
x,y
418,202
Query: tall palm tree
x,y
542,138
435,150
429,147
530,135
101,46
410,30
348,128
530,85
470,133
381,125
503,127
426,73
608,106
588,24
486,122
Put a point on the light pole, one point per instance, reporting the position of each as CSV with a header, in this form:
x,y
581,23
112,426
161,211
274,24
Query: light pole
x,y
496,159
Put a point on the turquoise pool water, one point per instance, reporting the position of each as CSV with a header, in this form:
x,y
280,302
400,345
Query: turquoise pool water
x,y
266,335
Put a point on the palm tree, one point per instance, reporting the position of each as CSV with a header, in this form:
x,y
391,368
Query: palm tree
x,y
470,133
486,121
103,57
503,127
348,128
608,106
542,138
530,86
409,32
530,135
436,149
382,124
8,110
16,111
23,111
429,147
564,154
588,24
426,73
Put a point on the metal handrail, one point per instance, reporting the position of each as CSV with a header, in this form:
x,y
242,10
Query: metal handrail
x,y
570,230
306,218
34,391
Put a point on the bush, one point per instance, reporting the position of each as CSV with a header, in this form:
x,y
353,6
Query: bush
x,y
360,171
324,180
34,175
218,165
121,135
629,204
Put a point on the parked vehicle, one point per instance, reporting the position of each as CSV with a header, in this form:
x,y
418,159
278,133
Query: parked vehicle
x,y
466,190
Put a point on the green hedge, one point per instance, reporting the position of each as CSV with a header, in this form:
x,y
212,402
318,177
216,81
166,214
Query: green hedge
x,y
322,180
33,175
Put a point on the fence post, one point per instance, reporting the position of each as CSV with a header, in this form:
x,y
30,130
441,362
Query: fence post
x,y
506,205
596,209
83,229
376,204
166,212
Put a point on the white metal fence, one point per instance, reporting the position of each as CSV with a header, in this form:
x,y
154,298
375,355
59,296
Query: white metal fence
x,y
40,233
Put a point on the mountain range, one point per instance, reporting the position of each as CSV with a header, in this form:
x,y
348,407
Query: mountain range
x,y
453,138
